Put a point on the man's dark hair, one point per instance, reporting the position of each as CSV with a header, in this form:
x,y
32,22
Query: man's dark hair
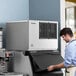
x,y
65,31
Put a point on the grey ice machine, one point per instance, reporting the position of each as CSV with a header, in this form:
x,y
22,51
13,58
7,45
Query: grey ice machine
x,y
32,35
35,43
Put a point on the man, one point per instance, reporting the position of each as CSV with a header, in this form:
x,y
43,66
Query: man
x,y
70,53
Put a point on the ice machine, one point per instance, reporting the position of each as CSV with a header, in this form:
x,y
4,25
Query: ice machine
x,y
35,43
32,35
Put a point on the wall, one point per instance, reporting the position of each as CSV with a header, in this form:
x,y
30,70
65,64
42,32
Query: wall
x,y
62,23
44,9
13,10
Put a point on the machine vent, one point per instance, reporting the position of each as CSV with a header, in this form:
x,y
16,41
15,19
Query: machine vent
x,y
47,30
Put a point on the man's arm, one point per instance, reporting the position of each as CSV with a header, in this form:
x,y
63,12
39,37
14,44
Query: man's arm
x,y
52,67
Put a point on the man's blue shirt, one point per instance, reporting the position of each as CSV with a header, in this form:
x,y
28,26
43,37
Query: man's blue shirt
x,y
70,54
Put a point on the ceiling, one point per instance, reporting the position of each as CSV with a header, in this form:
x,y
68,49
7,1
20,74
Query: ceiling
x,y
69,4
71,1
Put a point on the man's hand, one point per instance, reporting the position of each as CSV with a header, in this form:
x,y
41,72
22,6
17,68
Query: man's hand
x,y
50,68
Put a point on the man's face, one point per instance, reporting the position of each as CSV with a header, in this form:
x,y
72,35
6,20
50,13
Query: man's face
x,y
66,38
